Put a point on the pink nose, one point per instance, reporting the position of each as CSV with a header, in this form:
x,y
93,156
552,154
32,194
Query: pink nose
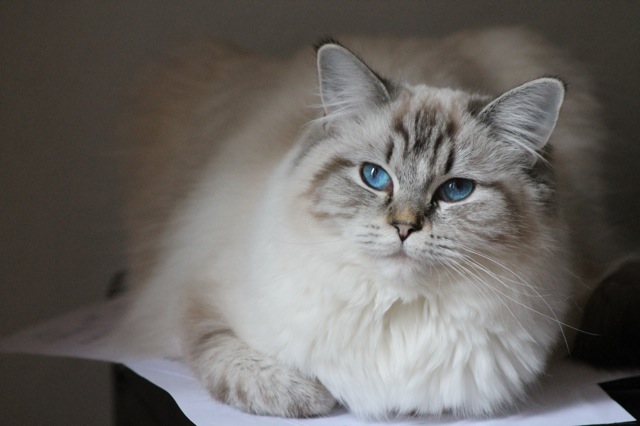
x,y
404,230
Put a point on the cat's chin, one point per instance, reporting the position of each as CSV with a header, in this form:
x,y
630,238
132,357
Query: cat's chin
x,y
405,258
401,266
400,256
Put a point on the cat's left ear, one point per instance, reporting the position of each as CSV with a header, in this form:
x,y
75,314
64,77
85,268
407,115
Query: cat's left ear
x,y
526,115
347,85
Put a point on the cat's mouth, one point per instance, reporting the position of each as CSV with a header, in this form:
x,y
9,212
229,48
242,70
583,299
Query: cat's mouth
x,y
405,257
400,255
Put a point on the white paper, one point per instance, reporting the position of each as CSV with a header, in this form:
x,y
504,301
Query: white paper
x,y
567,395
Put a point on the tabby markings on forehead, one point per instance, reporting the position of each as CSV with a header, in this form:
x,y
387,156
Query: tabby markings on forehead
x,y
424,122
450,160
428,137
390,148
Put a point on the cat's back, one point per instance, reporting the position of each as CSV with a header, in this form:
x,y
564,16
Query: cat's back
x,y
178,106
182,116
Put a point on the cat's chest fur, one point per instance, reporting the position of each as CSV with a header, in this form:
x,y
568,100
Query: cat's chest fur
x,y
376,345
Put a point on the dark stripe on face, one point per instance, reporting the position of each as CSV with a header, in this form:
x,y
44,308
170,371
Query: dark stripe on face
x,y
451,128
447,134
390,146
436,149
328,170
318,184
516,224
423,125
450,159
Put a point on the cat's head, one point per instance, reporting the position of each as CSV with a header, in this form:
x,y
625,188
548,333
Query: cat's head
x,y
416,176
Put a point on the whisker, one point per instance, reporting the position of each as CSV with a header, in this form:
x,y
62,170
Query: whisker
x,y
501,279
554,316
491,288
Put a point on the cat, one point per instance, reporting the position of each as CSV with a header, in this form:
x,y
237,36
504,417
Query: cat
x,y
413,239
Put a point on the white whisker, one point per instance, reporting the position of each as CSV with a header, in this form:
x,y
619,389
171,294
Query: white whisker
x,y
522,281
497,293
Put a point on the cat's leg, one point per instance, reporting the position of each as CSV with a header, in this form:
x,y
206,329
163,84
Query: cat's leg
x,y
612,321
242,377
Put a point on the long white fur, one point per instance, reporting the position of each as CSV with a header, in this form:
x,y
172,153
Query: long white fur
x,y
381,337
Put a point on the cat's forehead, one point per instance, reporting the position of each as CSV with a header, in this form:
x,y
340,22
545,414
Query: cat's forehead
x,y
424,131
425,125
446,107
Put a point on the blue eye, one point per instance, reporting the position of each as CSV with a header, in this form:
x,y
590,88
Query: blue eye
x,y
376,177
456,189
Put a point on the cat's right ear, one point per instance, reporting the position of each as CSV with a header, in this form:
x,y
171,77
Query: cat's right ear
x,y
347,85
526,116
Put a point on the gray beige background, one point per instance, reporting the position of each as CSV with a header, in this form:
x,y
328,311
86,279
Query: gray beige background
x,y
64,67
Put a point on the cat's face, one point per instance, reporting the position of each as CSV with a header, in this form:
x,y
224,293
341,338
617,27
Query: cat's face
x,y
421,182
429,176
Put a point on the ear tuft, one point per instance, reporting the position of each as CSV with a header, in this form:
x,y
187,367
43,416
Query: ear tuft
x,y
526,115
347,84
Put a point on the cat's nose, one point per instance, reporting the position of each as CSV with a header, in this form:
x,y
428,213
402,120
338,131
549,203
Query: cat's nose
x,y
405,229
406,220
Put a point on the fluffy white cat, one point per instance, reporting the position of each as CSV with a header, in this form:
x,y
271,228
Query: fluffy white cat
x,y
407,240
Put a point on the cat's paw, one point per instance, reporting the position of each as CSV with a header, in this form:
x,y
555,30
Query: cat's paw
x,y
251,381
261,386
